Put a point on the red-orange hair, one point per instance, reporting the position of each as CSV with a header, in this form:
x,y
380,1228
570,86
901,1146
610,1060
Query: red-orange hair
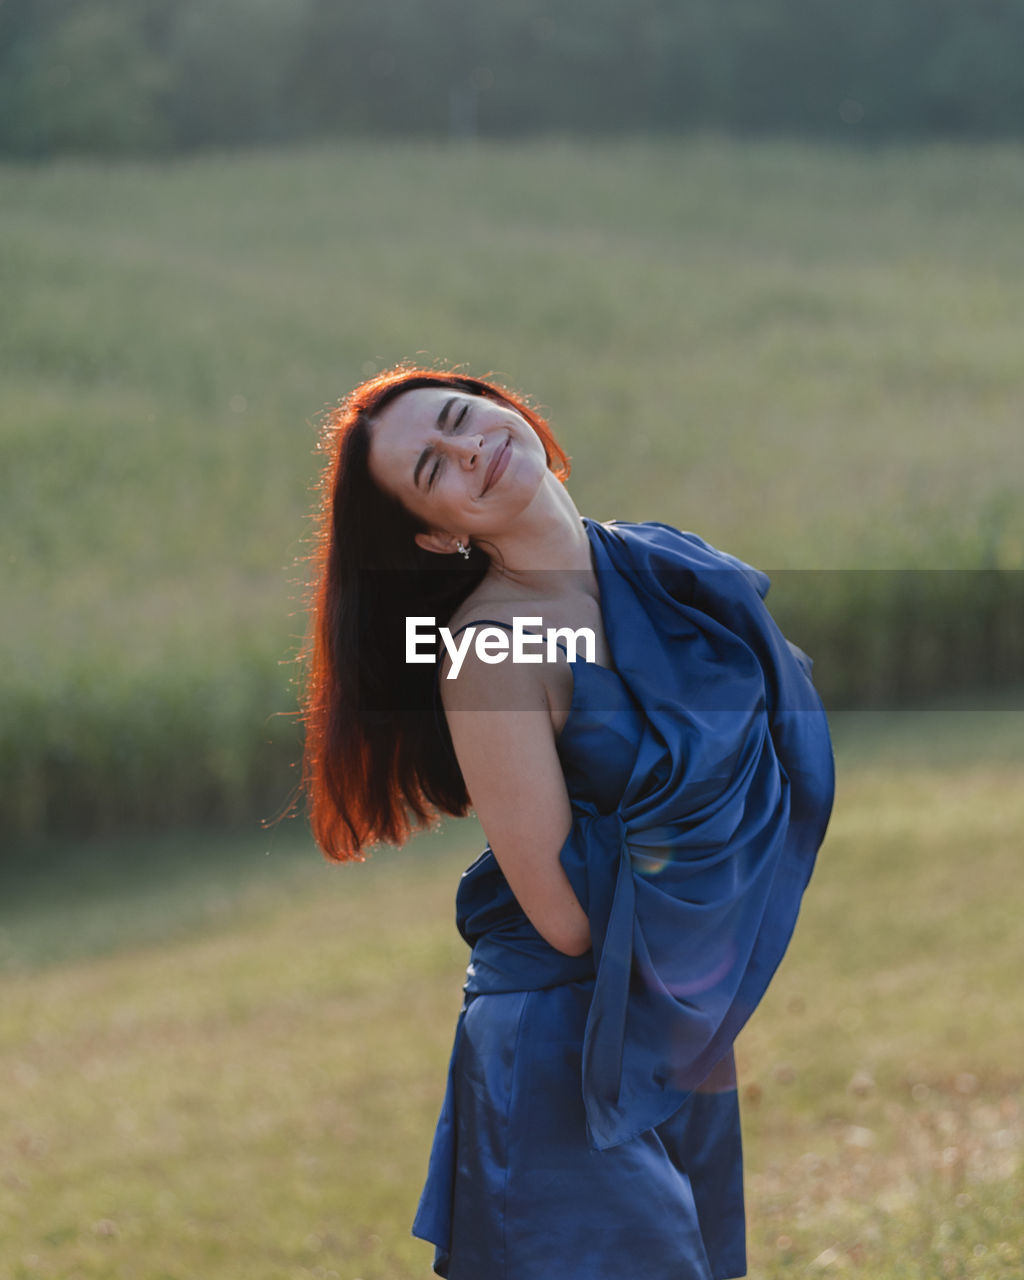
x,y
378,759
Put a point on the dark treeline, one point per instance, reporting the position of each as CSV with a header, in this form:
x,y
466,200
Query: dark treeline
x,y
150,76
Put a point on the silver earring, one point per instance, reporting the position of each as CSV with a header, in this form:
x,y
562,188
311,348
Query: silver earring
x,y
463,551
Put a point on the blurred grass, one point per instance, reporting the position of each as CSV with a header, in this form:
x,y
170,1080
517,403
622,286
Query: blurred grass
x,y
809,356
232,1066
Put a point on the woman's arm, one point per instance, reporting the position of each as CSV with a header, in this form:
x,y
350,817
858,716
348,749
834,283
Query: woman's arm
x,y
501,729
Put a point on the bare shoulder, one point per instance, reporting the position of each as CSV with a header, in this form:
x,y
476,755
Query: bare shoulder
x,y
485,603
501,684
482,677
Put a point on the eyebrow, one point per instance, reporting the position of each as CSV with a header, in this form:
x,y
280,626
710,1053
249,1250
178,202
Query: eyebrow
x,y
442,419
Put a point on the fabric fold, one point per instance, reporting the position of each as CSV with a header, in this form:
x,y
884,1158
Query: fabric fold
x,y
693,885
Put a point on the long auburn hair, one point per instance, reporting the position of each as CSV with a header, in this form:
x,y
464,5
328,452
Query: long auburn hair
x,y
378,759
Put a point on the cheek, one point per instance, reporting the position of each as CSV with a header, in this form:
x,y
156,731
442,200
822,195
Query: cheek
x,y
528,474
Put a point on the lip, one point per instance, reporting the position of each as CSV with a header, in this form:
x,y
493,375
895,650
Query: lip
x,y
498,464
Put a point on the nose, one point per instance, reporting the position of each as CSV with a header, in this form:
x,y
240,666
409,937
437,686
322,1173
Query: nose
x,y
465,450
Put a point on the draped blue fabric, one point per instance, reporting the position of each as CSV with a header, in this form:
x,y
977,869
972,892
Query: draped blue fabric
x,y
700,775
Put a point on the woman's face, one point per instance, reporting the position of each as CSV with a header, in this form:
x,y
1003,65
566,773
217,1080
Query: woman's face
x,y
463,463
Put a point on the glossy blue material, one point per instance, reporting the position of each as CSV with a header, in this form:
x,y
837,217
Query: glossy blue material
x,y
590,1128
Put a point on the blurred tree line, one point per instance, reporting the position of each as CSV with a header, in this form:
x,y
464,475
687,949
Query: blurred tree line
x,y
145,76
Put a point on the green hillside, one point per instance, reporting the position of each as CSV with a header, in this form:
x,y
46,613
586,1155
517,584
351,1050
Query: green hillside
x,y
811,357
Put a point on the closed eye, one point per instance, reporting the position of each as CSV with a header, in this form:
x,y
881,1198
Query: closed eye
x,y
456,426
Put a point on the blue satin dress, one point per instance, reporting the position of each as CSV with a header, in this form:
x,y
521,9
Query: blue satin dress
x,y
590,1129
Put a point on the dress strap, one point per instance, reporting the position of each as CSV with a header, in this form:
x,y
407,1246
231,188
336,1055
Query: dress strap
x,y
479,622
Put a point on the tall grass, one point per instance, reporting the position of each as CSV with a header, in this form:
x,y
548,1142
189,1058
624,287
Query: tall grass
x,y
809,356
223,1063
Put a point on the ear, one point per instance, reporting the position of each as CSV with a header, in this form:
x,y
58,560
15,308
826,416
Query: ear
x,y
442,544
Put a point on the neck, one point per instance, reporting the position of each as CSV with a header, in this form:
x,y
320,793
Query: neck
x,y
549,536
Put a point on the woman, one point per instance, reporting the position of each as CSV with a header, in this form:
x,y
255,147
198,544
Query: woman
x,y
652,814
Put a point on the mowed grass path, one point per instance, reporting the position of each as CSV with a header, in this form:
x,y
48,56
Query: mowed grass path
x,y
232,1069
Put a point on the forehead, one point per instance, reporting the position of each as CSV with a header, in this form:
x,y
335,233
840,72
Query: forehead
x,y
411,411
399,432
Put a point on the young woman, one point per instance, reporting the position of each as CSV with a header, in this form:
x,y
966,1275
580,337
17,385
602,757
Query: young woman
x,y
652,812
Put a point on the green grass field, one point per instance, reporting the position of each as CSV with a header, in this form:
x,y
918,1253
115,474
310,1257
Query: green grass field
x,y
811,357
225,1058
222,1058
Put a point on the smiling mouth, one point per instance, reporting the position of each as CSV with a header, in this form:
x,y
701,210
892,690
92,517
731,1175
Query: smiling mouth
x,y
498,464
